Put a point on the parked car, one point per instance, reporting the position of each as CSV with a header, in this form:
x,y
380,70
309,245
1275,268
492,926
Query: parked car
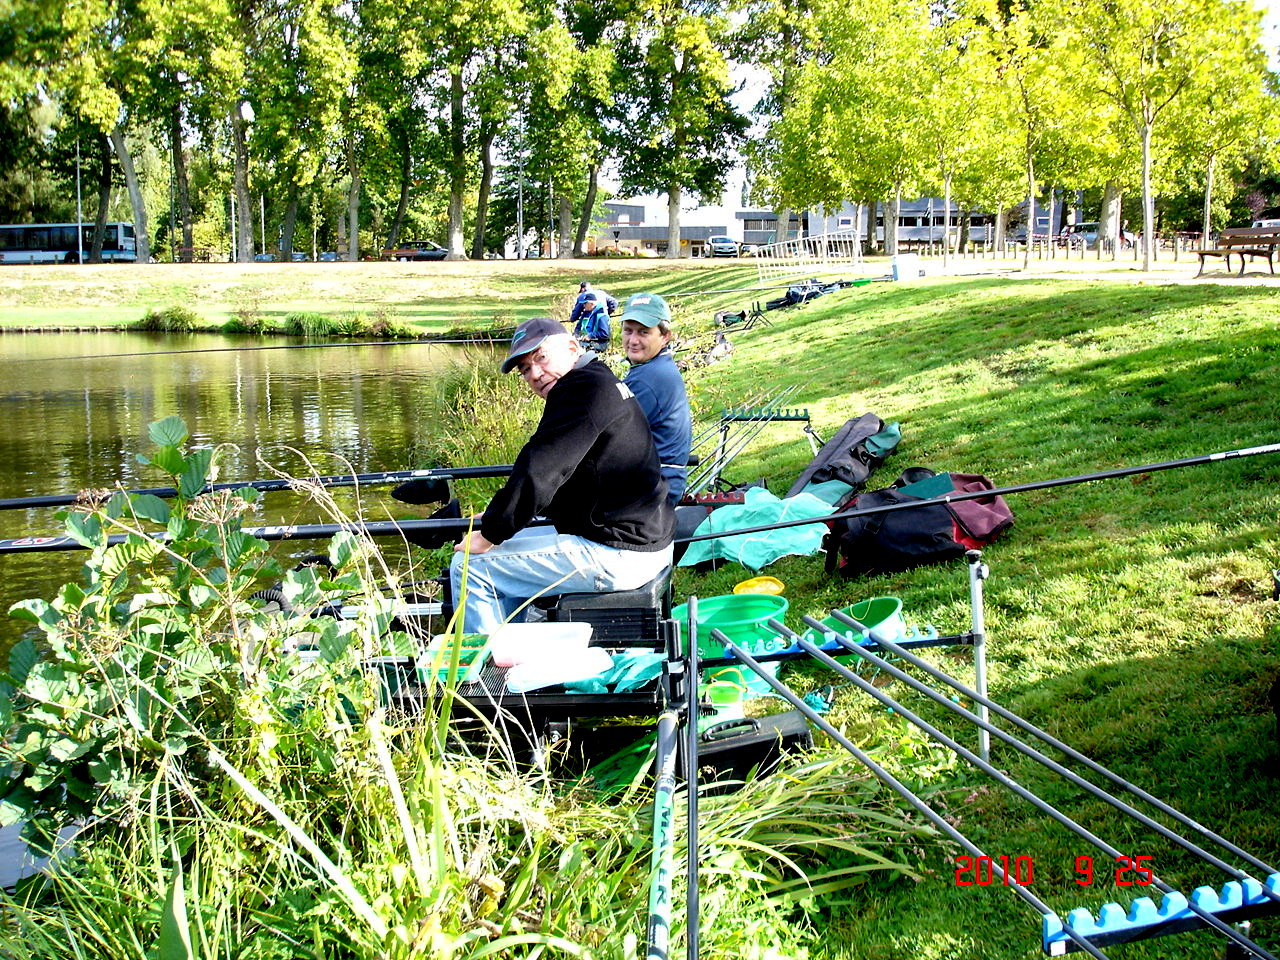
x,y
722,247
297,256
264,258
1086,233
416,250
328,256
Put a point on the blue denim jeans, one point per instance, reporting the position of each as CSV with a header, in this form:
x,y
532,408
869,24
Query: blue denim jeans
x,y
537,562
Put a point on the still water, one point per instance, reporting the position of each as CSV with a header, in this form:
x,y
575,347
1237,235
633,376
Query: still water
x,y
76,408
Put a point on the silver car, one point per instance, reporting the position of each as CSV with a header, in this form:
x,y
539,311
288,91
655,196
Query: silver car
x,y
722,247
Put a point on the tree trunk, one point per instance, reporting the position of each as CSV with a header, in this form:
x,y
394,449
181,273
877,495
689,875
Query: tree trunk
x,y
142,237
891,237
1208,202
458,169
244,203
1109,216
1031,209
1001,229
353,203
402,206
564,226
673,221
489,131
1148,202
946,219
104,205
181,181
289,225
588,205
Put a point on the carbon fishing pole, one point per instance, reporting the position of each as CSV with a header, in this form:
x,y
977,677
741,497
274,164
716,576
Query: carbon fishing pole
x,y
822,723
392,528
662,858
691,913
174,353
283,483
1009,783
825,658
1046,737
997,491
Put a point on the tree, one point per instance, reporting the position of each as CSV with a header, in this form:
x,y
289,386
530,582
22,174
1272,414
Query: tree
x,y
1149,53
683,130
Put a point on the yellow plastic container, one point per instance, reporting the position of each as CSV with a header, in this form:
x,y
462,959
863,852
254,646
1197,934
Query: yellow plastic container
x,y
767,585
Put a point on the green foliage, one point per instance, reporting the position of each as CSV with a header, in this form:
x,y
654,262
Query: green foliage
x,y
247,320
306,324
174,319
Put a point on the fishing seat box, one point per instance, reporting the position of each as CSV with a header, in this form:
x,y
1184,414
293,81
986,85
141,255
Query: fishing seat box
x,y
732,749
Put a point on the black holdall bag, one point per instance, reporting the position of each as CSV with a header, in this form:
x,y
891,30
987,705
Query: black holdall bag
x,y
901,539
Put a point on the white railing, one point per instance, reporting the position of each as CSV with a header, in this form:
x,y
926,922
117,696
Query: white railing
x,y
820,255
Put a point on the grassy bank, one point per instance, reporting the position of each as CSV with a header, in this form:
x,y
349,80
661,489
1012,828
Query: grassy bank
x,y
1131,617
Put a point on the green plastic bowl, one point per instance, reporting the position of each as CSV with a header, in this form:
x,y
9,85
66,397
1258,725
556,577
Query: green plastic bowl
x,y
882,612
739,616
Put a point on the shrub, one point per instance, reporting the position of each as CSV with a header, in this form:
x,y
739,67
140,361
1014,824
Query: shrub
x,y
246,320
308,324
174,319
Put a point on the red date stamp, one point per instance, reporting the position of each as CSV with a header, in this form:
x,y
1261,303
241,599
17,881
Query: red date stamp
x,y
1020,871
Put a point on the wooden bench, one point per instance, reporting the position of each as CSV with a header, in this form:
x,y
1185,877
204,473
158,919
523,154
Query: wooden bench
x,y
1246,242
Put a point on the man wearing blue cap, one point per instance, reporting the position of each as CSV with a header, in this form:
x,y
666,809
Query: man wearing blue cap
x,y
655,380
590,468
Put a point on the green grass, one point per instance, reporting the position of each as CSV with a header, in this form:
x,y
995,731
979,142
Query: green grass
x,y
1131,617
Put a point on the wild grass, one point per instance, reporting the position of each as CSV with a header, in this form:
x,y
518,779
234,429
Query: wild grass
x,y
173,319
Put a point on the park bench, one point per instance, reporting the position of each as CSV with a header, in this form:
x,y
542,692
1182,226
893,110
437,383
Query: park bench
x,y
1245,242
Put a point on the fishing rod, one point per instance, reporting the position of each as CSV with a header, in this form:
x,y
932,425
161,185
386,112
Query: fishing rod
x,y
426,475
394,527
662,862
995,492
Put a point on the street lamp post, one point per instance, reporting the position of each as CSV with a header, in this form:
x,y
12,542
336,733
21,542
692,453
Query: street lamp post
x,y
616,235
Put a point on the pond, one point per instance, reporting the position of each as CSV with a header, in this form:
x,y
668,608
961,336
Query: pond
x,y
77,406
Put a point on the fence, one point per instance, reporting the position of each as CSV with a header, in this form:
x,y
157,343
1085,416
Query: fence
x,y
824,254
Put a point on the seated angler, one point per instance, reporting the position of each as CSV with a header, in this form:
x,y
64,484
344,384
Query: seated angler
x,y
657,384
590,468
592,327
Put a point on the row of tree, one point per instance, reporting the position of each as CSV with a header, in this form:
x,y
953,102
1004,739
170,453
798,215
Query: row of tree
x,y
438,111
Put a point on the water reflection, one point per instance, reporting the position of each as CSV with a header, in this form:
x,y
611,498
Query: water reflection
x,y
76,418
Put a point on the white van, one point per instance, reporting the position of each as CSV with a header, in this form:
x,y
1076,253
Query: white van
x,y
1269,224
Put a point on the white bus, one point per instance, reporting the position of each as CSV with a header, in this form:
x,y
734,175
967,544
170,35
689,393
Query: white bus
x,y
59,243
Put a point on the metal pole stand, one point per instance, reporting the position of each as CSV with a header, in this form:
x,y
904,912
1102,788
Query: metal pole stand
x,y
978,572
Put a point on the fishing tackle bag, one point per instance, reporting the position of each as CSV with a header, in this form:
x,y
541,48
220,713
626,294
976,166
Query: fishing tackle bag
x,y
901,539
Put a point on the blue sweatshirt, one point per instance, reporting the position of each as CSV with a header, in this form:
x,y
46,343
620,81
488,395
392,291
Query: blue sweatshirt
x,y
659,387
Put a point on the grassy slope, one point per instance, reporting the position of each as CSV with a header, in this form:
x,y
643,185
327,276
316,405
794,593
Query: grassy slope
x,y
1132,617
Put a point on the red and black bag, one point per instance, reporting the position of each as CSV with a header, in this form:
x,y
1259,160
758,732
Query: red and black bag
x,y
932,533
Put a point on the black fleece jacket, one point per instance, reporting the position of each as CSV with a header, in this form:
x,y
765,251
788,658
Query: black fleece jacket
x,y
590,468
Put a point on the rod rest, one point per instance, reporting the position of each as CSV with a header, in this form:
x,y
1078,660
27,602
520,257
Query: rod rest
x,y
1236,901
763,413
619,616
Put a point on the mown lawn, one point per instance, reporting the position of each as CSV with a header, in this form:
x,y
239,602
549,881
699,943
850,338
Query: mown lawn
x,y
1132,617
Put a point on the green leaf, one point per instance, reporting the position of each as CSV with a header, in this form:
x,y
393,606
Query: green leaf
x,y
240,545
170,460
196,475
342,548
118,558
150,507
35,611
86,529
302,588
174,942
180,528
334,639
169,432
46,682
200,595
22,658
117,504
16,806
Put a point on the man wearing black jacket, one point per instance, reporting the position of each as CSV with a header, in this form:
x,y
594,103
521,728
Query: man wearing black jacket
x,y
590,468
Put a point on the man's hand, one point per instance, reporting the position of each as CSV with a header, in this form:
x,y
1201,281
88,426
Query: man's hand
x,y
475,543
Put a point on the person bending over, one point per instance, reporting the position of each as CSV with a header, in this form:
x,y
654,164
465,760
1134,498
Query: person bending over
x,y
590,468
592,327
657,384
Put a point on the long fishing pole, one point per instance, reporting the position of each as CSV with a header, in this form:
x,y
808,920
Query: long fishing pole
x,y
282,483
997,491
391,527
174,353
662,863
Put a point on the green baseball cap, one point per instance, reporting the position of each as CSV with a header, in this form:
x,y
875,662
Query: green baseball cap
x,y
647,309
